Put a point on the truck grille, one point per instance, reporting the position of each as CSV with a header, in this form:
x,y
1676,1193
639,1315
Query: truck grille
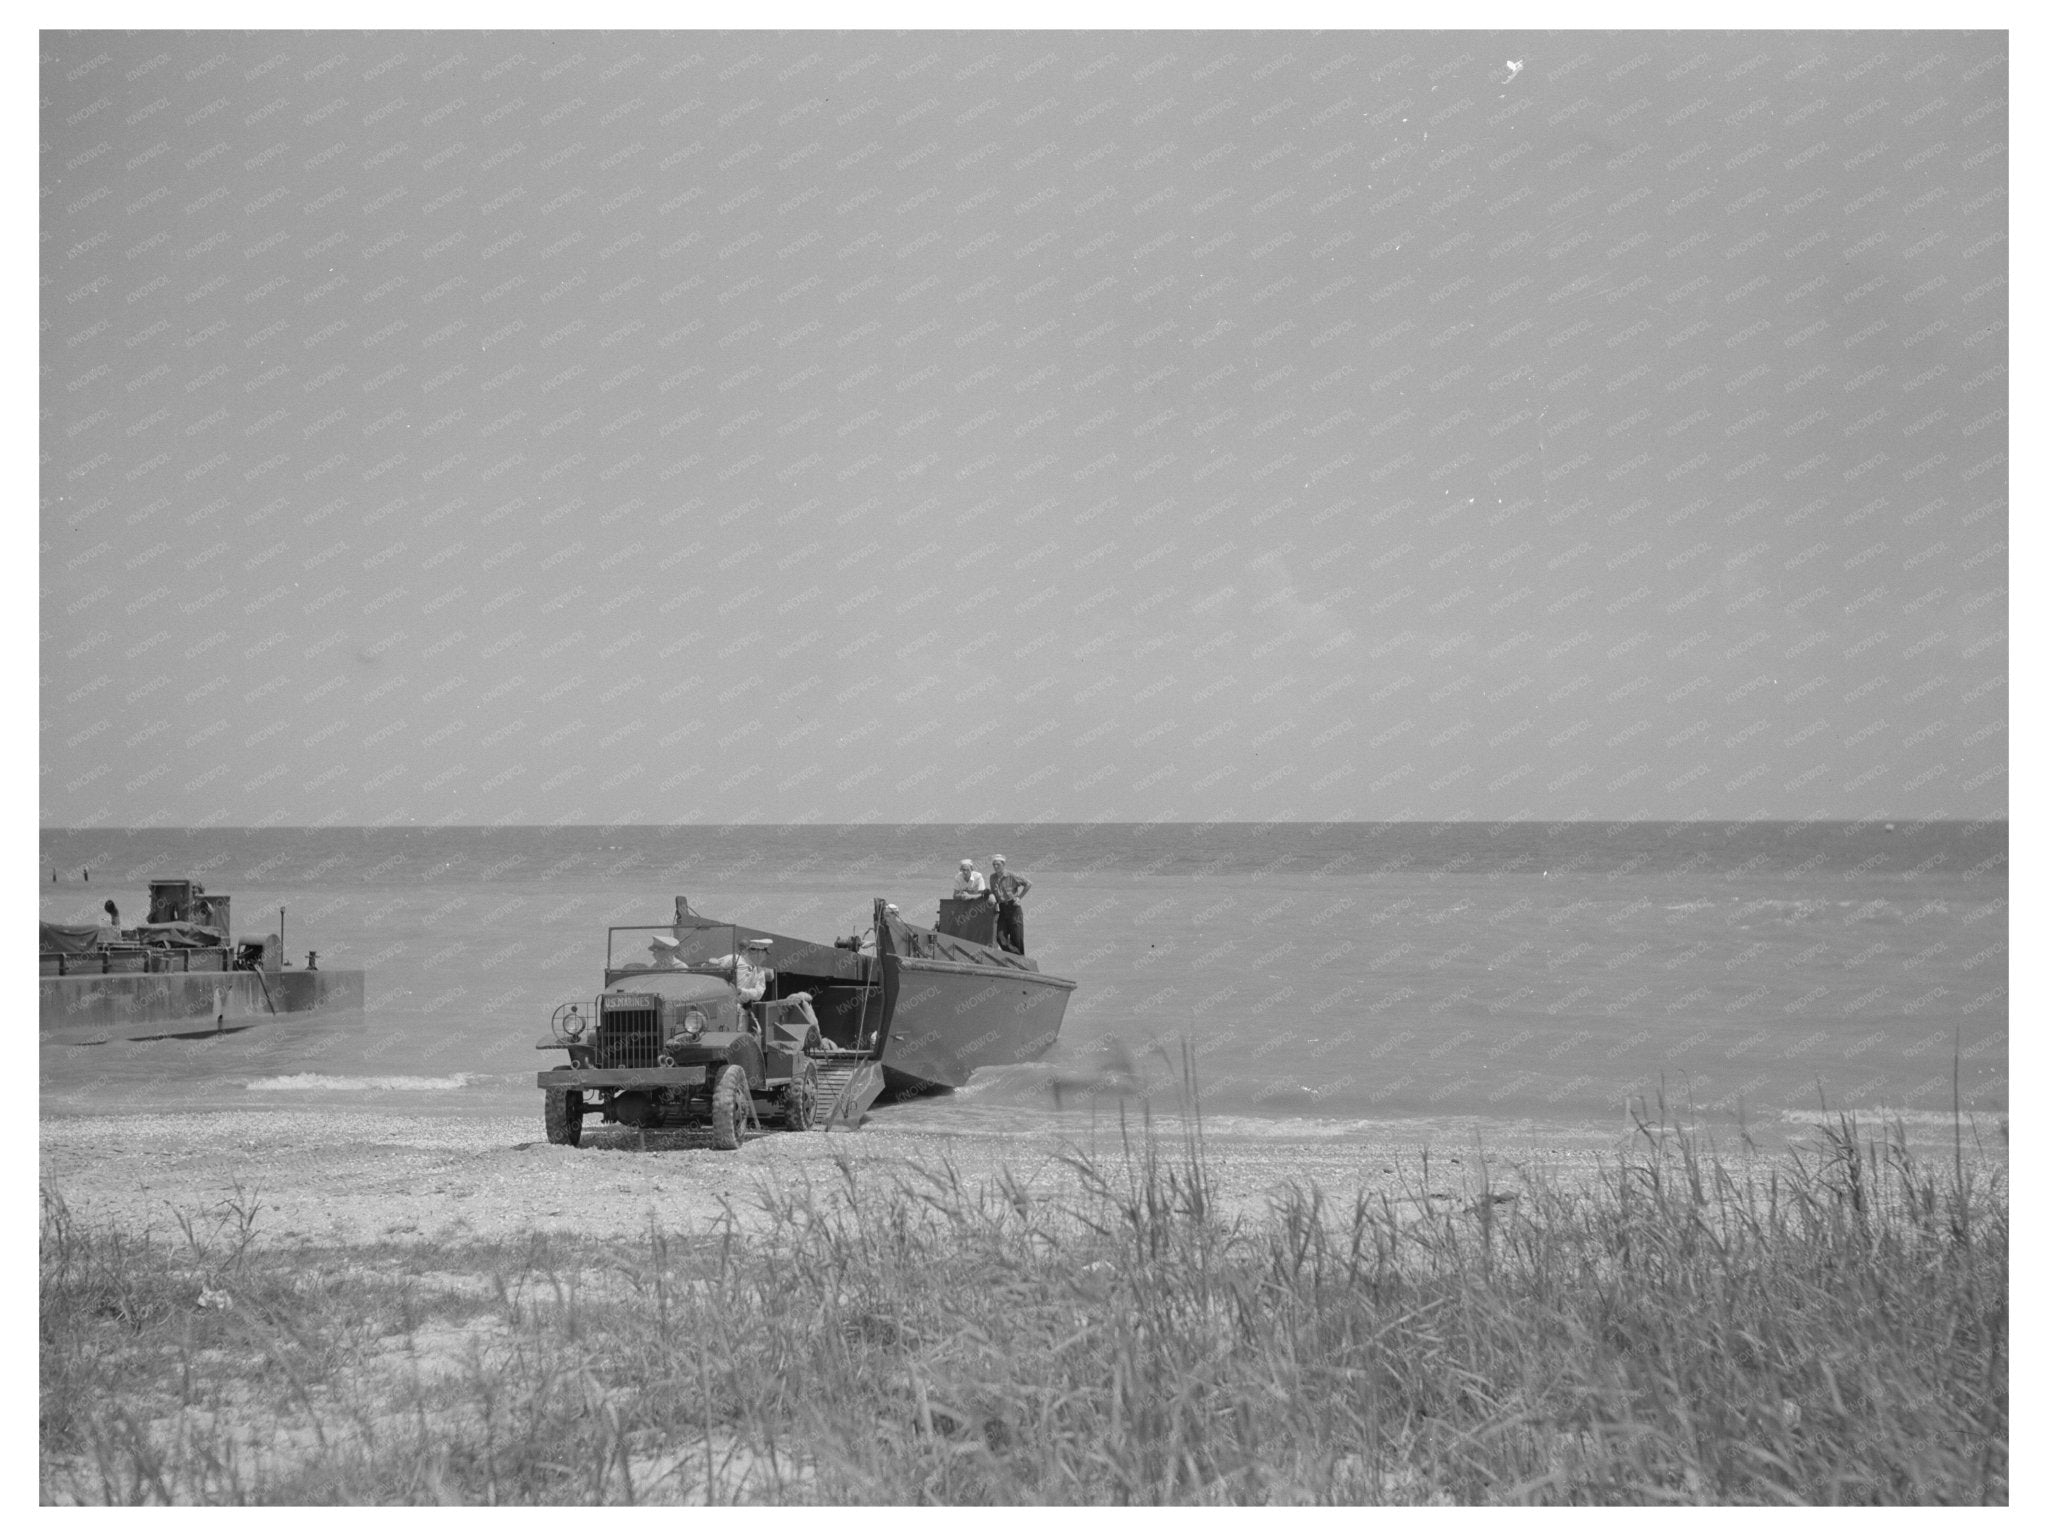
x,y
627,1037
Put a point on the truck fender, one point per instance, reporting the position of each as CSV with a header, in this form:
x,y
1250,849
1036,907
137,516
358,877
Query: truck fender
x,y
742,1049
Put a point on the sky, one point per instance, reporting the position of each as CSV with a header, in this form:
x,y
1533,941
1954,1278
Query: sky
x,y
474,428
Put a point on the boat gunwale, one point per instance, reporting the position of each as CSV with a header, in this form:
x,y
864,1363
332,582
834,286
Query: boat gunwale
x,y
967,968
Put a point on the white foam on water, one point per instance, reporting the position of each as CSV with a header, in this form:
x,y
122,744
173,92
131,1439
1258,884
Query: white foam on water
x,y
1871,1115
319,1082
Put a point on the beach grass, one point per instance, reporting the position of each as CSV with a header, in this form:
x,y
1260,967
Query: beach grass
x,y
1682,1324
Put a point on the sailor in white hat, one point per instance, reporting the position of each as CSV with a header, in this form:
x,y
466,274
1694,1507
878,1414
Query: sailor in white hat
x,y
970,882
661,952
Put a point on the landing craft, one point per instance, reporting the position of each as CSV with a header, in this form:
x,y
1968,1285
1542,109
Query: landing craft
x,y
708,1022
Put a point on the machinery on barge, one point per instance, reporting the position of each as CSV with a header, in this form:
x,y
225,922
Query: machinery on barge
x,y
710,1023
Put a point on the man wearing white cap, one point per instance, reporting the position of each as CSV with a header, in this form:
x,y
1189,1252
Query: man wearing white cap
x,y
1008,890
969,883
661,953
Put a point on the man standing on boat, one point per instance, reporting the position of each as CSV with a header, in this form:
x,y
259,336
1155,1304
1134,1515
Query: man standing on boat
x,y
969,884
1009,891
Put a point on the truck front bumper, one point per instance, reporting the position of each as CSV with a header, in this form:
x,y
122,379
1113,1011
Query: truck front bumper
x,y
622,1077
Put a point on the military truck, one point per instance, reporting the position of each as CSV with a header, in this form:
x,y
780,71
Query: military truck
x,y
671,1043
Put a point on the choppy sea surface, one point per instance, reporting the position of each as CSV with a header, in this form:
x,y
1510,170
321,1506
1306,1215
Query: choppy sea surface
x,y
1322,978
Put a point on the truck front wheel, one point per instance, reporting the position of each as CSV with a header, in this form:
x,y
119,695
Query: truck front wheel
x,y
564,1116
732,1108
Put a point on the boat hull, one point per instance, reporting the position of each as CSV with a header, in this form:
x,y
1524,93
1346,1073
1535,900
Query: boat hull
x,y
949,1020
954,1006
84,1010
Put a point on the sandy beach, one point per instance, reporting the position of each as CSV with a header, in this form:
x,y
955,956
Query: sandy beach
x,y
336,1306
331,1177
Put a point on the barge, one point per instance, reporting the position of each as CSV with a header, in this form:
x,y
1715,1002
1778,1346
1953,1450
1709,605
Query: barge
x,y
179,974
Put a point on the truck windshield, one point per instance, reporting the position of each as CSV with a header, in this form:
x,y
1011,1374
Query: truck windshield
x,y
635,946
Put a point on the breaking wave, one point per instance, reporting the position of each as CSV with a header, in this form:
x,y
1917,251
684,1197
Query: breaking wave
x,y
320,1082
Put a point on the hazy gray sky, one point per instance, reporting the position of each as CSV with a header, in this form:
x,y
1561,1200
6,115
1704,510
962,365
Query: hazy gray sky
x,y
534,428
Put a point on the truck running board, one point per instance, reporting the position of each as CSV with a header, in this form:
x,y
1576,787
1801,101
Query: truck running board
x,y
847,1086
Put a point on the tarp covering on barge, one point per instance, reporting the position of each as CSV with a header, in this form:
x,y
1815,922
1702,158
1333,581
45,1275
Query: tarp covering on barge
x,y
73,939
180,935
77,939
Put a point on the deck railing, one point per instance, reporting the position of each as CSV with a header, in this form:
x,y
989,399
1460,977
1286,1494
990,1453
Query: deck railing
x,y
136,960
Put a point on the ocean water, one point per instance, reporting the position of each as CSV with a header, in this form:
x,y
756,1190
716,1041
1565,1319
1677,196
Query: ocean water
x,y
1321,977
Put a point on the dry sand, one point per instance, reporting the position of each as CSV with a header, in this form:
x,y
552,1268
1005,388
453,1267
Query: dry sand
x,y
352,1177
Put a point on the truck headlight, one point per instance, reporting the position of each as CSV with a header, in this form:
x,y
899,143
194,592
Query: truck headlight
x,y
693,1024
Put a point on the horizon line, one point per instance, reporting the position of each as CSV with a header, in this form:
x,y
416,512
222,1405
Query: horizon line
x,y
666,826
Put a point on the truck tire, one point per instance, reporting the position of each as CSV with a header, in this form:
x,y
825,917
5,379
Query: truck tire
x,y
732,1108
564,1116
800,1100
